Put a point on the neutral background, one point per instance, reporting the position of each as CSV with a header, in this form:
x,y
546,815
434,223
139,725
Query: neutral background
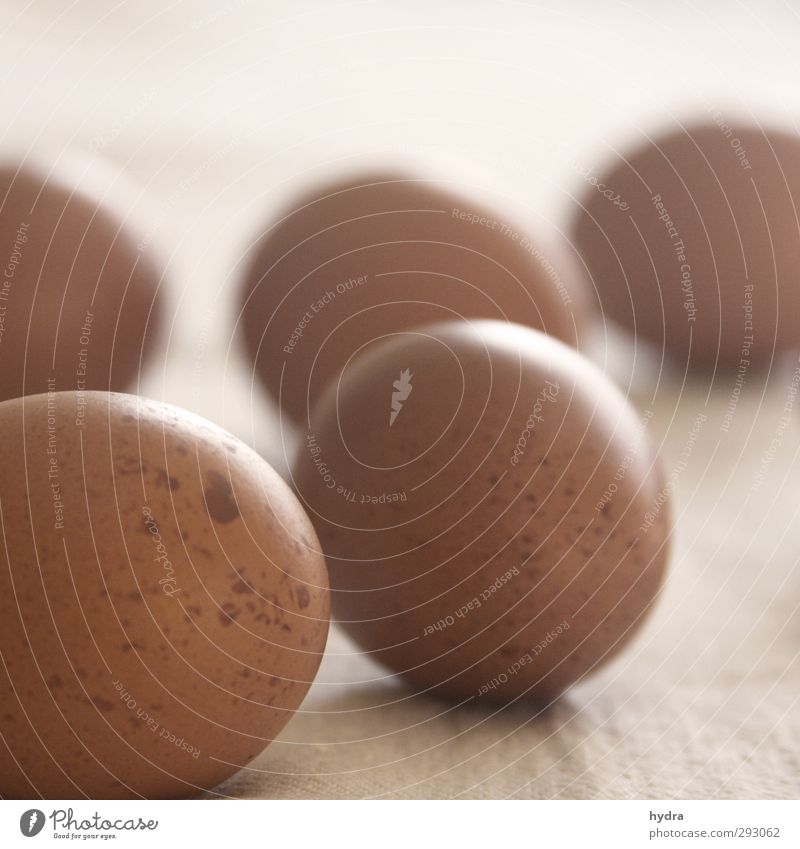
x,y
218,111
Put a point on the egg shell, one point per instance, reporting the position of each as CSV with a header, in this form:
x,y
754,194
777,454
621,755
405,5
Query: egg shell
x,y
80,306
493,516
163,609
692,241
383,250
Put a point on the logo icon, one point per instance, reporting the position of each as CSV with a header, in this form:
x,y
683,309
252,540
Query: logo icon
x,y
31,822
402,389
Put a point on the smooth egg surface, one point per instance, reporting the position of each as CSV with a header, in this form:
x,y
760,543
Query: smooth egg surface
x,y
489,506
692,241
382,251
80,306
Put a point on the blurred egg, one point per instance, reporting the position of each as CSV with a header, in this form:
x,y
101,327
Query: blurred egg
x,y
79,295
384,250
692,241
493,516
162,608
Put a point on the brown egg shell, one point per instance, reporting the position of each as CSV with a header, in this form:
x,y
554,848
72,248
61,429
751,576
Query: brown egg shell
x,y
489,519
384,250
163,607
692,242
80,306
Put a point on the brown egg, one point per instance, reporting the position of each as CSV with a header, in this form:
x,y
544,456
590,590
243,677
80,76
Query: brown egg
x,y
382,251
693,242
162,608
489,507
79,302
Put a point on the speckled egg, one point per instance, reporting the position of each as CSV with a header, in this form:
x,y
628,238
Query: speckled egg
x,y
80,305
384,250
692,240
493,516
163,607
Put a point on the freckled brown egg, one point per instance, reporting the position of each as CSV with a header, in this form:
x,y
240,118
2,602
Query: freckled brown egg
x,y
163,609
693,242
383,251
491,511
79,301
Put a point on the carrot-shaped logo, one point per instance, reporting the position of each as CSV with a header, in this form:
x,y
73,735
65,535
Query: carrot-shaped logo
x,y
402,389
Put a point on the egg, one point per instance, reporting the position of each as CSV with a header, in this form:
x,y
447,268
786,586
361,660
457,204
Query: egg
x,y
163,607
383,250
494,518
692,240
80,306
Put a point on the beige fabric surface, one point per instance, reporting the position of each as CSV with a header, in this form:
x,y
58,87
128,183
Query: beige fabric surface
x,y
220,110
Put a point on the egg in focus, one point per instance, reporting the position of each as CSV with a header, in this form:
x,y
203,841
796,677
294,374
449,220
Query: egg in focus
x,y
493,515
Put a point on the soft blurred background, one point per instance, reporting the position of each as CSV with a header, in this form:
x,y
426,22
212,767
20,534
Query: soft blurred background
x,y
218,112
